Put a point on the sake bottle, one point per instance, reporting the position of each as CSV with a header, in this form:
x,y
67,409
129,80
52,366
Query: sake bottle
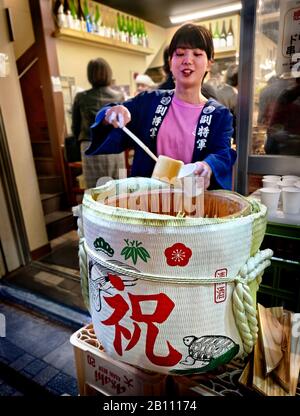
x,y
216,36
119,26
56,7
230,36
67,12
87,16
97,19
129,29
223,36
58,10
80,16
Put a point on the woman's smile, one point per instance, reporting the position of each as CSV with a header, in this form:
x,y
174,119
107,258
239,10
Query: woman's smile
x,y
187,72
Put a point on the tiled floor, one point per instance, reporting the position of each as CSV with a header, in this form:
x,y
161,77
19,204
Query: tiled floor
x,y
35,355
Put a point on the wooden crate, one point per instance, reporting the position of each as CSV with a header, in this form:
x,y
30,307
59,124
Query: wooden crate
x,y
98,373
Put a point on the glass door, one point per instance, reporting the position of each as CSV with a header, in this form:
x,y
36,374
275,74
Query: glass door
x,y
269,139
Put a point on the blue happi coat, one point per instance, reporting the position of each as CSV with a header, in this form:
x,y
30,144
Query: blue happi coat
x,y
148,109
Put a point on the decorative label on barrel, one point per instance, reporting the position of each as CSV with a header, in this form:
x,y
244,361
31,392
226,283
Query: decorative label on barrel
x,y
138,321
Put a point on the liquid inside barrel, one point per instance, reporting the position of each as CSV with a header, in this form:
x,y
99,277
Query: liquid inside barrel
x,y
172,201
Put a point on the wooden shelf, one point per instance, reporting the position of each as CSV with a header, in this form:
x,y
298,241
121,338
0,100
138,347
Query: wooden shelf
x,y
96,40
225,52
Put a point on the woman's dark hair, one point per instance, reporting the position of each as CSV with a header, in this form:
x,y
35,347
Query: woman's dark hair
x,y
192,36
166,65
99,73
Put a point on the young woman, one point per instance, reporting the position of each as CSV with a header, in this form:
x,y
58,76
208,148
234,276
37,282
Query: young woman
x,y
180,123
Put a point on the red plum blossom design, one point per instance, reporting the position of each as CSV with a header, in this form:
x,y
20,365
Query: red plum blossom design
x,y
178,255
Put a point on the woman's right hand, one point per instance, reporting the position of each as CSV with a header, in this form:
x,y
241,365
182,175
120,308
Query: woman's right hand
x,y
118,116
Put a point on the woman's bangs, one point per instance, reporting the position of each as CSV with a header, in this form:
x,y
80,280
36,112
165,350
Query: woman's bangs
x,y
191,41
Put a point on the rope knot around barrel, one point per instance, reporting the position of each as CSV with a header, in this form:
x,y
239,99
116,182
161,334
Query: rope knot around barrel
x,y
244,309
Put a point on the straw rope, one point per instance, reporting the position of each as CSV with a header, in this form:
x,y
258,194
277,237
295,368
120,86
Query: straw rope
x,y
82,254
242,301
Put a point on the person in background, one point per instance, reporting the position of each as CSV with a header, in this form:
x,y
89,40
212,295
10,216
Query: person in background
x,y
283,133
168,83
228,93
85,107
268,97
180,123
143,83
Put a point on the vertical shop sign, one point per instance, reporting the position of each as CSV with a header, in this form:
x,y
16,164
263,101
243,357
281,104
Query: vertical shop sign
x,y
288,59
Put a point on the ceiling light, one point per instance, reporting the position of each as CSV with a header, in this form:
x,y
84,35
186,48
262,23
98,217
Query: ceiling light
x,y
207,13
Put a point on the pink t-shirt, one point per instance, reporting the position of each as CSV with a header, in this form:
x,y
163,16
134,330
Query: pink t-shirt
x,y
176,136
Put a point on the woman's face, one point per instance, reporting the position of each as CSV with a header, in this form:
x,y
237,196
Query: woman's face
x,y
188,66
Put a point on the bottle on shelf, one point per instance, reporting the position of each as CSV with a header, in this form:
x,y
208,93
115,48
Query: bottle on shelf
x,y
138,32
67,13
97,19
119,26
56,6
133,29
114,26
80,16
223,36
76,21
210,28
73,9
230,36
129,28
87,16
58,11
216,36
125,36
144,35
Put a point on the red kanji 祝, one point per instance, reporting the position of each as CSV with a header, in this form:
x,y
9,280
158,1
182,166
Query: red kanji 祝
x,y
163,309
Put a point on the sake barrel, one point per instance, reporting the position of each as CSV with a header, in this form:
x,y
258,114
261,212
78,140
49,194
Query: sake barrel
x,y
168,293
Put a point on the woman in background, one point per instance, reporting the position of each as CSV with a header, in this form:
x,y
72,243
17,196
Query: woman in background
x,y
180,123
85,107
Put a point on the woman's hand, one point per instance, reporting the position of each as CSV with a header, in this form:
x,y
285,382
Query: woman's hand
x,y
118,116
203,170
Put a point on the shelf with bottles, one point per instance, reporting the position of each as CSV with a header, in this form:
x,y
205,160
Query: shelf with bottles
x,y
92,38
225,32
85,21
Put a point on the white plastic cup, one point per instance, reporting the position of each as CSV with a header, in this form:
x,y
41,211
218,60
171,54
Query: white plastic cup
x,y
286,183
291,200
192,185
193,190
274,178
293,177
270,198
270,183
